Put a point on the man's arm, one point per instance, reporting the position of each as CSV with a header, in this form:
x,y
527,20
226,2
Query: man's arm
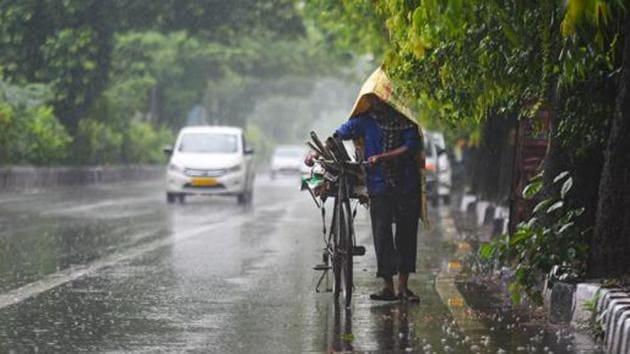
x,y
351,129
388,155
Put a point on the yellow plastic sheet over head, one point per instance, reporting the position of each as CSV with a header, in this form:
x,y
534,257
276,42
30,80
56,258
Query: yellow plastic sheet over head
x,y
379,85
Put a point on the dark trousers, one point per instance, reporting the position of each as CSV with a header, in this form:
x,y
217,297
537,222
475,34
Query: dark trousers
x,y
395,253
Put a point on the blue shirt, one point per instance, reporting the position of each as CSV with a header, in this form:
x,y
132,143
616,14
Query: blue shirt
x,y
364,126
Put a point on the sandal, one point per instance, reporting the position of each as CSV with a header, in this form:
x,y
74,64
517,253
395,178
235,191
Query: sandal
x,y
384,295
409,296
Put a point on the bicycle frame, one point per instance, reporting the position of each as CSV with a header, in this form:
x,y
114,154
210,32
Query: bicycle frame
x,y
339,238
339,241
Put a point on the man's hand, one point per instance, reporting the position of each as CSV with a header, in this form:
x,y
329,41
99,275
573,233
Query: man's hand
x,y
389,155
375,160
309,160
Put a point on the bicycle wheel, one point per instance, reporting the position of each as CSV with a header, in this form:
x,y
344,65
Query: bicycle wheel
x,y
335,250
347,247
342,247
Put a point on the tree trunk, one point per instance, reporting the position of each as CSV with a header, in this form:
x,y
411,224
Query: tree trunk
x,y
610,250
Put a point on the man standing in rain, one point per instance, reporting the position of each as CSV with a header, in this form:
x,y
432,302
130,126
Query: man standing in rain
x,y
391,144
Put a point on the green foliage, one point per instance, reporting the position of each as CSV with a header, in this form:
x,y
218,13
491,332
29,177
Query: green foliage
x,y
144,143
29,131
349,25
96,142
47,141
535,185
537,246
594,323
99,142
461,60
69,44
115,63
159,74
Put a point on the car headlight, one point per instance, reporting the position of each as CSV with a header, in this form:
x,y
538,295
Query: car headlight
x,y
234,169
175,168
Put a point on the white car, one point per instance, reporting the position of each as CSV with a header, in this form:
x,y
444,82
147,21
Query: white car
x,y
288,159
438,168
210,160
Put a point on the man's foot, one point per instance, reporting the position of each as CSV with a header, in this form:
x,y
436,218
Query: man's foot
x,y
384,295
408,296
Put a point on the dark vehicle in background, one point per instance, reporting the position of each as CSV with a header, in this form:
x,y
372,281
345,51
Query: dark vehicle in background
x,y
288,160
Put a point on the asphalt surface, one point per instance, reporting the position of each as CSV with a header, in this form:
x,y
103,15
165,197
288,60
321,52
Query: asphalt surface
x,y
114,268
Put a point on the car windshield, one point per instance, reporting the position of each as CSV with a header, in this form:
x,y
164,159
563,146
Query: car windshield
x,y
208,143
289,152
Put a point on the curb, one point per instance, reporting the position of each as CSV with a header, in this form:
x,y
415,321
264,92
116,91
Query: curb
x,y
612,311
25,178
565,302
445,280
486,212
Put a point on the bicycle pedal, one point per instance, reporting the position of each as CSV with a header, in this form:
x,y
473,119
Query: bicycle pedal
x,y
322,267
358,250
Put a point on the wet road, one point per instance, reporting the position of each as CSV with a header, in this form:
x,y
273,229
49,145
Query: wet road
x,y
113,268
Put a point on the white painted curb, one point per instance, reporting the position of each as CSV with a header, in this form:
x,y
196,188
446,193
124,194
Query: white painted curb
x,y
613,314
614,309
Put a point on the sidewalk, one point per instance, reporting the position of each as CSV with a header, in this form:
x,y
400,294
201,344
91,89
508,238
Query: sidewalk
x,y
485,310
458,312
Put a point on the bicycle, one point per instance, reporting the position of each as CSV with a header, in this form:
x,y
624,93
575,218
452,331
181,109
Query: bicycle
x,y
339,180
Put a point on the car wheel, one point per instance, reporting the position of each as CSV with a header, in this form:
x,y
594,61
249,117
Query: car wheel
x,y
446,199
182,198
272,176
170,198
245,198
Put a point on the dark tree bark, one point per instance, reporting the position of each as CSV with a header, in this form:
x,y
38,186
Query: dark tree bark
x,y
492,169
585,163
610,250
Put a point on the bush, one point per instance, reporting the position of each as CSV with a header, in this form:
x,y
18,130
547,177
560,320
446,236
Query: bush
x,y
144,143
30,133
549,240
7,131
96,143
46,140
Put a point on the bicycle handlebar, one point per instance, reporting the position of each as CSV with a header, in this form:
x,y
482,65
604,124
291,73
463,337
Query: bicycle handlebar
x,y
349,163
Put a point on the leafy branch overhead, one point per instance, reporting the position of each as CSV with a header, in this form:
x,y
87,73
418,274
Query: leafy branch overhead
x,y
108,64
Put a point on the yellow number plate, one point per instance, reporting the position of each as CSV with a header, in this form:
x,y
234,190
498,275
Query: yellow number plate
x,y
204,182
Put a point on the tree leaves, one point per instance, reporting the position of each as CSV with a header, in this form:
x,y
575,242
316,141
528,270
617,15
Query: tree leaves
x,y
555,206
560,176
29,131
487,250
566,187
542,205
532,189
